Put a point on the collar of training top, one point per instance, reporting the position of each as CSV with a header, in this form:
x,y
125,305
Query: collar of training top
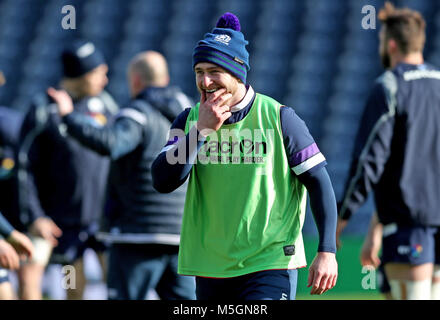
x,y
246,100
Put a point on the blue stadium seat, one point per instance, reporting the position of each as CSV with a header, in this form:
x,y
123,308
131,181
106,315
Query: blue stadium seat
x,y
140,27
282,8
118,88
312,63
347,103
194,8
424,6
274,43
340,125
151,8
108,9
356,62
351,82
309,83
11,49
269,63
269,84
314,43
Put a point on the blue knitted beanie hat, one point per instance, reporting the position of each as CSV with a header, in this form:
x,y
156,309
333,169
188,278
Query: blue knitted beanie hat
x,y
225,46
80,57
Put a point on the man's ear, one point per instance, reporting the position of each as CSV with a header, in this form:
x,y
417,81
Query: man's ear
x,y
136,81
392,46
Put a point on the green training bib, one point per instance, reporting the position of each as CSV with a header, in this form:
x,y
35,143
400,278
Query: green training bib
x,y
244,209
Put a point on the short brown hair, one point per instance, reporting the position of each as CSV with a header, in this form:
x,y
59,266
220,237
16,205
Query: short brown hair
x,y
405,26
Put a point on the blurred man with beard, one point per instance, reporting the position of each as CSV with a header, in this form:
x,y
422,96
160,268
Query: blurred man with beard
x,y
397,155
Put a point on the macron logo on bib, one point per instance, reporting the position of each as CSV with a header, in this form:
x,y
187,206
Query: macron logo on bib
x,y
223,38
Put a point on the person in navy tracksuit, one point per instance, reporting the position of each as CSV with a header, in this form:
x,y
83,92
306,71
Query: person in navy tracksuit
x,y
12,242
142,225
397,155
62,184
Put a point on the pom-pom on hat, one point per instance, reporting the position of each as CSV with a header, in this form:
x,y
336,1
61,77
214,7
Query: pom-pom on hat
x,y
225,46
80,57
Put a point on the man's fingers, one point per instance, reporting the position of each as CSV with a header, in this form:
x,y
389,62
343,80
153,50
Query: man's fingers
x,y
323,284
334,280
223,109
338,243
53,240
28,249
220,102
56,231
370,260
52,92
376,261
216,99
365,261
14,261
214,96
331,282
225,116
49,237
56,95
315,282
310,278
202,97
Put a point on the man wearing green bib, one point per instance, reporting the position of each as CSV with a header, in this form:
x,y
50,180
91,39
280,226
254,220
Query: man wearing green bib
x,y
250,162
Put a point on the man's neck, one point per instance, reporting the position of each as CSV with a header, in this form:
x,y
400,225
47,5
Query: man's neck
x,y
239,96
411,58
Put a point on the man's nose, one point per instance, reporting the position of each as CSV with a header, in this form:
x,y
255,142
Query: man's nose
x,y
105,80
206,81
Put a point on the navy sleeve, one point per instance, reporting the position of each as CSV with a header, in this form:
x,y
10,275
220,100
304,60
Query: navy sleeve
x,y
10,121
323,205
33,150
115,140
308,164
5,227
174,163
370,153
302,152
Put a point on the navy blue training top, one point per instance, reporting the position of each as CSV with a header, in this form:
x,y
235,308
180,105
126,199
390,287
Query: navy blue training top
x,y
397,149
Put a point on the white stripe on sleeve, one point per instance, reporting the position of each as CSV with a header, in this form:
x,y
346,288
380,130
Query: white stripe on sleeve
x,y
169,147
133,114
309,163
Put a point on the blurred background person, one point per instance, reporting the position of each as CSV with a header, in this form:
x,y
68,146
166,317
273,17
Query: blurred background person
x,y
10,123
142,225
397,156
370,253
14,247
62,184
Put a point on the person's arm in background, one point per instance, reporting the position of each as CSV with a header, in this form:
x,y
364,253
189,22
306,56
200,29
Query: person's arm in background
x,y
308,165
9,258
5,227
115,140
126,134
32,144
371,152
372,243
21,243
